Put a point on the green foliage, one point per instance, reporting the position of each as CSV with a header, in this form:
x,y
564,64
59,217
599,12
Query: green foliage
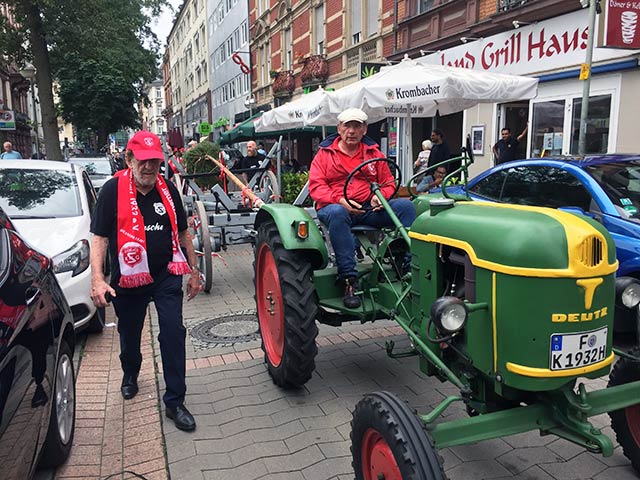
x,y
195,162
292,184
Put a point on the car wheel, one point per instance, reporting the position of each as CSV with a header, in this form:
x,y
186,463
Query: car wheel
x,y
96,324
63,412
626,422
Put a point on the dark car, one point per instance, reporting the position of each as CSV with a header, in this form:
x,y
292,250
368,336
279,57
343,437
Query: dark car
x,y
37,380
603,187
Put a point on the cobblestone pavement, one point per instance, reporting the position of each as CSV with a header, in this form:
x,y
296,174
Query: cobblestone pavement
x,y
250,429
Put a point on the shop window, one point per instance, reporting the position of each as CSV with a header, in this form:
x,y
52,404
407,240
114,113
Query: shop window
x,y
597,138
548,130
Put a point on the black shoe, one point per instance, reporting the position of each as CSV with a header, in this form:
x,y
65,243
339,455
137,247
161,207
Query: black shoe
x,y
351,285
39,397
182,418
129,387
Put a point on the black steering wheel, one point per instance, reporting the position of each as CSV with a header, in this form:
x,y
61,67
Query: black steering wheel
x,y
371,178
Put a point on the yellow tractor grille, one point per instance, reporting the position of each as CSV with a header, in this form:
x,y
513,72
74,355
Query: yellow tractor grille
x,y
592,251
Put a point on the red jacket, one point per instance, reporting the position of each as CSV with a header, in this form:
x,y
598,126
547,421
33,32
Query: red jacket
x,y
329,171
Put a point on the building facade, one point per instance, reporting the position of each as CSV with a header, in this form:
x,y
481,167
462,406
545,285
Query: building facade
x,y
188,65
230,63
543,39
153,115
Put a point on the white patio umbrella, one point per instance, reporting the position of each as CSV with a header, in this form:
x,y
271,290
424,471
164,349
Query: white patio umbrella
x,y
294,114
414,89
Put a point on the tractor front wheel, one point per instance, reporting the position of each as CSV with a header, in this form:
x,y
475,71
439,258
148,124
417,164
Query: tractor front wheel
x,y
287,309
389,441
626,422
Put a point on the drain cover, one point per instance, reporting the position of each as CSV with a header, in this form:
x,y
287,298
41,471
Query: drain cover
x,y
227,330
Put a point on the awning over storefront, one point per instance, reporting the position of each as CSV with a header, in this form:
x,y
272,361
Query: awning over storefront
x,y
246,131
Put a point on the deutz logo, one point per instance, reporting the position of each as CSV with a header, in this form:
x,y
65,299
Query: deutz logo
x,y
580,316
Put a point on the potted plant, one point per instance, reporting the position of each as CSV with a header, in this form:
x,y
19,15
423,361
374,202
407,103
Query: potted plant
x,y
284,84
273,73
315,70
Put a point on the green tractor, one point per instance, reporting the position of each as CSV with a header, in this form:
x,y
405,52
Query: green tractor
x,y
511,304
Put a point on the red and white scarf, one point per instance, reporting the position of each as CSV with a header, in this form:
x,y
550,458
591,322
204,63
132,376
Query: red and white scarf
x,y
132,239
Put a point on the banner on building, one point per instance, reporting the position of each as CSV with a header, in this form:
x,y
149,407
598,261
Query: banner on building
x,y
7,120
619,24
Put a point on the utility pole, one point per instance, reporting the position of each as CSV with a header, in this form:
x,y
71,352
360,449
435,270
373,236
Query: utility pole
x,y
585,76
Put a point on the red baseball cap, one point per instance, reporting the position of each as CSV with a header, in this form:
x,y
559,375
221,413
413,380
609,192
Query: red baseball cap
x,y
145,146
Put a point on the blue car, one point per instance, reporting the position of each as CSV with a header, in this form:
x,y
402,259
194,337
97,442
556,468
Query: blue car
x,y
604,187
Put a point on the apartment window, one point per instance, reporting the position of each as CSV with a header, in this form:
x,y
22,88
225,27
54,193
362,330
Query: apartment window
x,y
372,17
263,70
196,41
504,5
424,6
229,5
244,33
356,21
319,29
158,111
288,50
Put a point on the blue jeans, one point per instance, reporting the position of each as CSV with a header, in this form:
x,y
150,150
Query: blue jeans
x,y
131,311
339,222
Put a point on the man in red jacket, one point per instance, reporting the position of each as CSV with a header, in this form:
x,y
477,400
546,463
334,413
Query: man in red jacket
x,y
338,155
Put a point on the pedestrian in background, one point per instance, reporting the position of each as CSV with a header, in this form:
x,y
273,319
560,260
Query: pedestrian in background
x,y
139,217
261,149
440,149
9,153
505,149
423,157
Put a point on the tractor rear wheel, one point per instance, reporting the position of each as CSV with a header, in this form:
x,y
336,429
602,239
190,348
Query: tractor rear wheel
x,y
287,309
626,422
389,441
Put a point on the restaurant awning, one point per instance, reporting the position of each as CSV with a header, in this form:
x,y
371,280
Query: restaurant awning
x,y
246,131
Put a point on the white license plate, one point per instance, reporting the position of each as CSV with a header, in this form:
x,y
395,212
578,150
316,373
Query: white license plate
x,y
574,350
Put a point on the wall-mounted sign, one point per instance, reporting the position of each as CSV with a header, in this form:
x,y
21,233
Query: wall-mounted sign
x,y
205,128
7,120
368,68
619,24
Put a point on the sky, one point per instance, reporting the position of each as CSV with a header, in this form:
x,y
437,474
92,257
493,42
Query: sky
x,y
162,25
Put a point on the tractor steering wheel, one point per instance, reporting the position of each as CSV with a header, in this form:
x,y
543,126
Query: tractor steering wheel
x,y
371,178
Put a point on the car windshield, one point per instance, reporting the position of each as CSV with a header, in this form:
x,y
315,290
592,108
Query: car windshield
x,y
94,166
39,193
621,182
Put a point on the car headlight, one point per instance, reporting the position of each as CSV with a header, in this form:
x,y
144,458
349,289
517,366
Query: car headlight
x,y
627,292
75,260
449,314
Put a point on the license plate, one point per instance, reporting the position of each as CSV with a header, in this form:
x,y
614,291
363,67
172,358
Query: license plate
x,y
574,350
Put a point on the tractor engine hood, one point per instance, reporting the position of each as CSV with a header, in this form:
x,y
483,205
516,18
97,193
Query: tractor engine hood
x,y
521,240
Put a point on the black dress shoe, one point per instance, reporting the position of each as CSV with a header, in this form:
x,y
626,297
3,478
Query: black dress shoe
x,y
182,418
129,386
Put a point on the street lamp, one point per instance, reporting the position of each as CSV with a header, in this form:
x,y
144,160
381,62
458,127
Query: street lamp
x,y
29,72
249,102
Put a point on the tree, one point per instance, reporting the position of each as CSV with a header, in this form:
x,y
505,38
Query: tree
x,y
95,50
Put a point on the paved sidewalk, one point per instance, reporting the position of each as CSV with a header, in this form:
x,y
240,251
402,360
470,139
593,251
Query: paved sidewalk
x,y
250,429
113,436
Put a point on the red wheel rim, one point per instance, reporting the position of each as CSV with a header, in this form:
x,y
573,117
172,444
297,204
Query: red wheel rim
x,y
377,458
633,421
269,303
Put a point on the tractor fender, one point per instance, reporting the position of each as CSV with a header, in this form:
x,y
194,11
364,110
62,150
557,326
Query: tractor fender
x,y
286,217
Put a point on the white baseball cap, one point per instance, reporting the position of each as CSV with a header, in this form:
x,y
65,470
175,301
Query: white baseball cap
x,y
353,115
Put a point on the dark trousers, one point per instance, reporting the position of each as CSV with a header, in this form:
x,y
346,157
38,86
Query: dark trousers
x,y
131,309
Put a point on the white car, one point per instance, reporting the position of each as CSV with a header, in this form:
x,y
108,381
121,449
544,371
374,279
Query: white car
x,y
51,204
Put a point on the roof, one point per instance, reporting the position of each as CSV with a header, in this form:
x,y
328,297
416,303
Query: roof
x,y
36,165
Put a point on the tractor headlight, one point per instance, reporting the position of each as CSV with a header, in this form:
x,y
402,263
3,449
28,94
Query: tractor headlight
x,y
627,292
449,314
